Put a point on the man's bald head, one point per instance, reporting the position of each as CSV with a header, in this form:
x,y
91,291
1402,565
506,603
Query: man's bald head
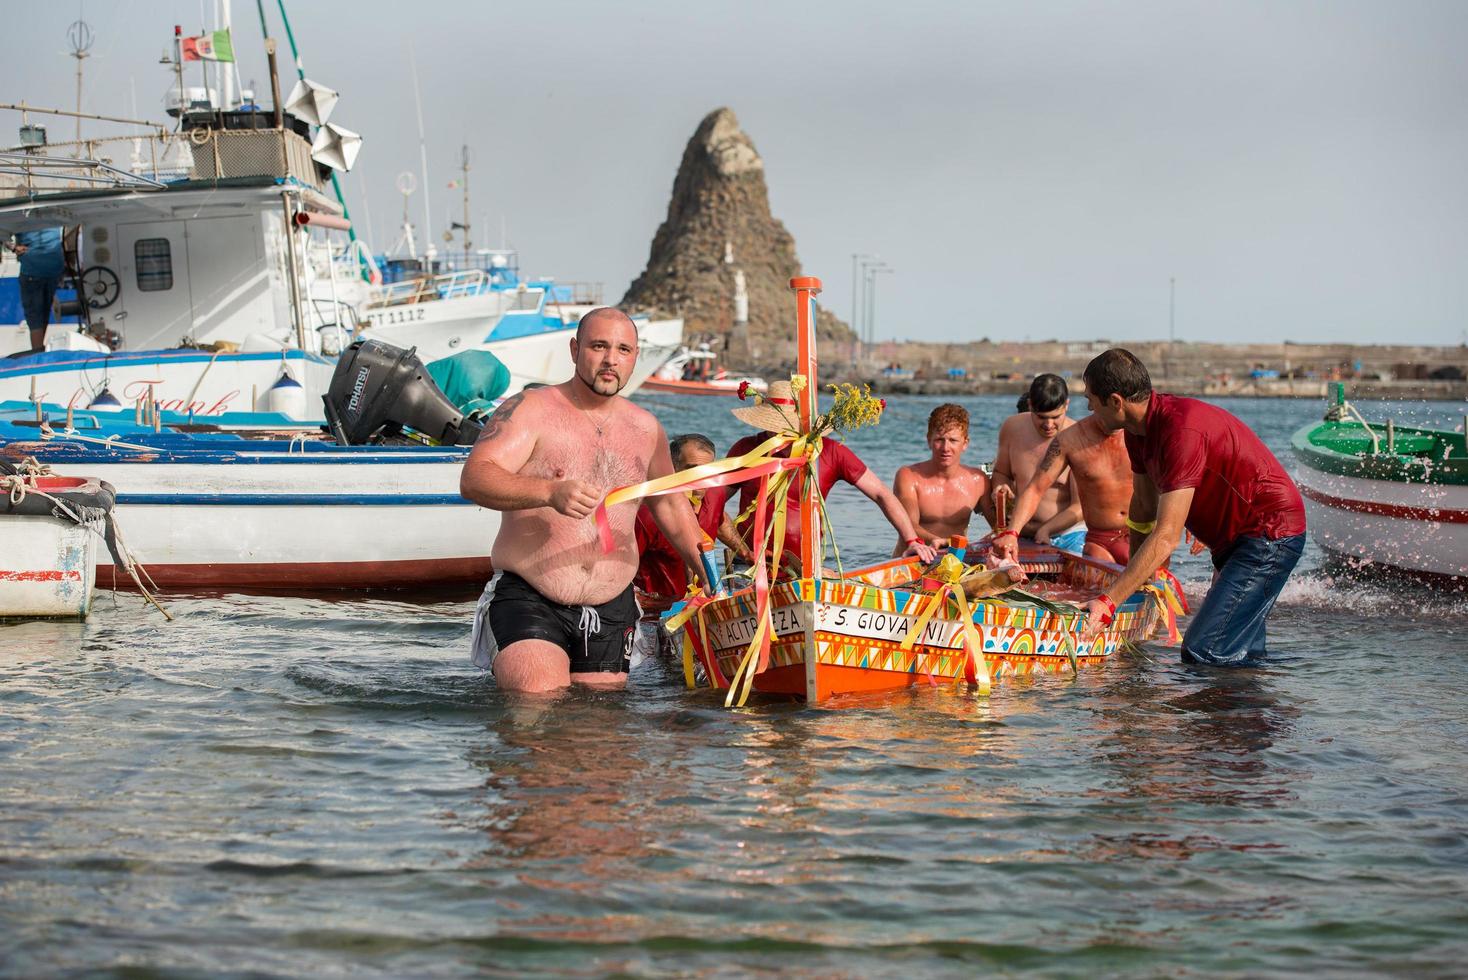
x,y
604,316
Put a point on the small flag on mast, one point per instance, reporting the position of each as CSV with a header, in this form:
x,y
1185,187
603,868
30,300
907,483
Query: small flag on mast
x,y
215,46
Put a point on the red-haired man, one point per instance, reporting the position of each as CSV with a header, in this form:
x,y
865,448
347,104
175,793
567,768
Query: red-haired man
x,y
940,494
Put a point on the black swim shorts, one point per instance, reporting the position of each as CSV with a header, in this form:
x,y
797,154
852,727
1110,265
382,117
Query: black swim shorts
x,y
597,639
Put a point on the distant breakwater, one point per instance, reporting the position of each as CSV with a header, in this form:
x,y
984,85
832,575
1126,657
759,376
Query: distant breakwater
x,y
1196,387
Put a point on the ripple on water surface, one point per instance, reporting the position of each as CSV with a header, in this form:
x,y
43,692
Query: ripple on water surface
x,y
293,785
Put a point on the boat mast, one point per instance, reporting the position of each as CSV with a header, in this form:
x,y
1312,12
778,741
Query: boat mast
x,y
301,74
806,289
428,248
468,245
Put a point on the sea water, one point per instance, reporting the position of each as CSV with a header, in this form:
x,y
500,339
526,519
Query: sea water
x,y
323,785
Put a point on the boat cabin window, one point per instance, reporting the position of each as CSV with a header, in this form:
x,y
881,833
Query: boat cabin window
x,y
528,299
154,263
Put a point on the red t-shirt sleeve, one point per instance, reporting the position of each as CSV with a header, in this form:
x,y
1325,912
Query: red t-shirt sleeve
x,y
1185,462
849,466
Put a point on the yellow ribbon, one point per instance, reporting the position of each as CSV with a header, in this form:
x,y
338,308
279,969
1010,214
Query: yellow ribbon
x,y
694,603
950,570
804,451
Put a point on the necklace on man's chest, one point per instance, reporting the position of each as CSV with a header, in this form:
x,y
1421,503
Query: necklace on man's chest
x,y
594,423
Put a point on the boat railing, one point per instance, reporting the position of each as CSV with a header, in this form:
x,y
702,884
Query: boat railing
x,y
578,293
153,158
449,285
504,260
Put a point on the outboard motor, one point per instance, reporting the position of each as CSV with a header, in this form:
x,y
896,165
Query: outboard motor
x,y
378,389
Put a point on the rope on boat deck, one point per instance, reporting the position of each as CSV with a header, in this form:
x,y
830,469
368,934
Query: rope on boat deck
x,y
111,442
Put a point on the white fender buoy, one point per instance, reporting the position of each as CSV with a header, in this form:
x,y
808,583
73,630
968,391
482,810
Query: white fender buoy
x,y
286,396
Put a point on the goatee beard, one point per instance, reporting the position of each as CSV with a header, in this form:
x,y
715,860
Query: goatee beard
x,y
604,387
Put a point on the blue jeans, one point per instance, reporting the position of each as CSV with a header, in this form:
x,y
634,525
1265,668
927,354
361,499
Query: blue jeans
x,y
36,294
1228,629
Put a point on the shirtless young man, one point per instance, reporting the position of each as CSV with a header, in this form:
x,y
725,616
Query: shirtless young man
x,y
1023,439
1101,476
940,494
559,611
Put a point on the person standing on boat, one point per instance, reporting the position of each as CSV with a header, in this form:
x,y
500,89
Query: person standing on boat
x,y
42,256
559,610
941,494
662,576
1100,481
836,464
1198,467
1023,439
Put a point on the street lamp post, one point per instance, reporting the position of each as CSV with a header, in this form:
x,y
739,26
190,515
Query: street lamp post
x,y
871,297
1171,323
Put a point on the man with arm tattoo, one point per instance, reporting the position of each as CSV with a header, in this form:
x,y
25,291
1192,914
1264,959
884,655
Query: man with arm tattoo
x,y
559,610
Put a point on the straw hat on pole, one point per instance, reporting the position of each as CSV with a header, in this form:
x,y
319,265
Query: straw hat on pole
x,y
776,411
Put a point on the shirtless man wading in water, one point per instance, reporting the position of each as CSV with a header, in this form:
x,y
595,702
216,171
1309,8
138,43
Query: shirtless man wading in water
x,y
1100,475
560,611
1023,439
941,494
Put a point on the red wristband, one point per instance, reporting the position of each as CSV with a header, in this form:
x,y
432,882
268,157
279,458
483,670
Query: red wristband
x,y
914,540
1110,609
1007,530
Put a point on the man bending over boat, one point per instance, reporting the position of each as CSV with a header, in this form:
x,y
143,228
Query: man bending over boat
x,y
837,464
1200,468
1023,439
1100,479
559,610
941,494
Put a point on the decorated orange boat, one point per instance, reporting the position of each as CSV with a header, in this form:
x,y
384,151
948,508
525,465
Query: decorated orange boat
x,y
891,626
823,633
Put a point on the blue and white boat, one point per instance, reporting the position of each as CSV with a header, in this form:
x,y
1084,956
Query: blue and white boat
x,y
216,273
478,300
251,502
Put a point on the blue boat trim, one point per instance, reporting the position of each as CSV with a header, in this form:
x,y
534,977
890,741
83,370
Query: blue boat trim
x,y
295,499
54,361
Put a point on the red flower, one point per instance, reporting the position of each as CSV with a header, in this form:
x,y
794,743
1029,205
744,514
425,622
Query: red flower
x,y
883,403
743,390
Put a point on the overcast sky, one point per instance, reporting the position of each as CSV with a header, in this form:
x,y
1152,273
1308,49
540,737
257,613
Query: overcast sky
x,y
1030,169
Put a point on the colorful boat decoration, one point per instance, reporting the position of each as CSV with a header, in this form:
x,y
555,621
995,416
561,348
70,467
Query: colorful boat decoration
x,y
871,632
823,634
1384,494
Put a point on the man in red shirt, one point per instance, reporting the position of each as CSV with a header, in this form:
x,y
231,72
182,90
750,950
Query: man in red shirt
x,y
662,576
836,464
1198,467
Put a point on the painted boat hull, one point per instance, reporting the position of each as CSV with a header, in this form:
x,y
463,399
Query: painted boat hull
x,y
856,626
48,567
358,519
1404,506
1416,527
182,380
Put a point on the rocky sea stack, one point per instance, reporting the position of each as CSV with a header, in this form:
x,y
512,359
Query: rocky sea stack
x,y
719,224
